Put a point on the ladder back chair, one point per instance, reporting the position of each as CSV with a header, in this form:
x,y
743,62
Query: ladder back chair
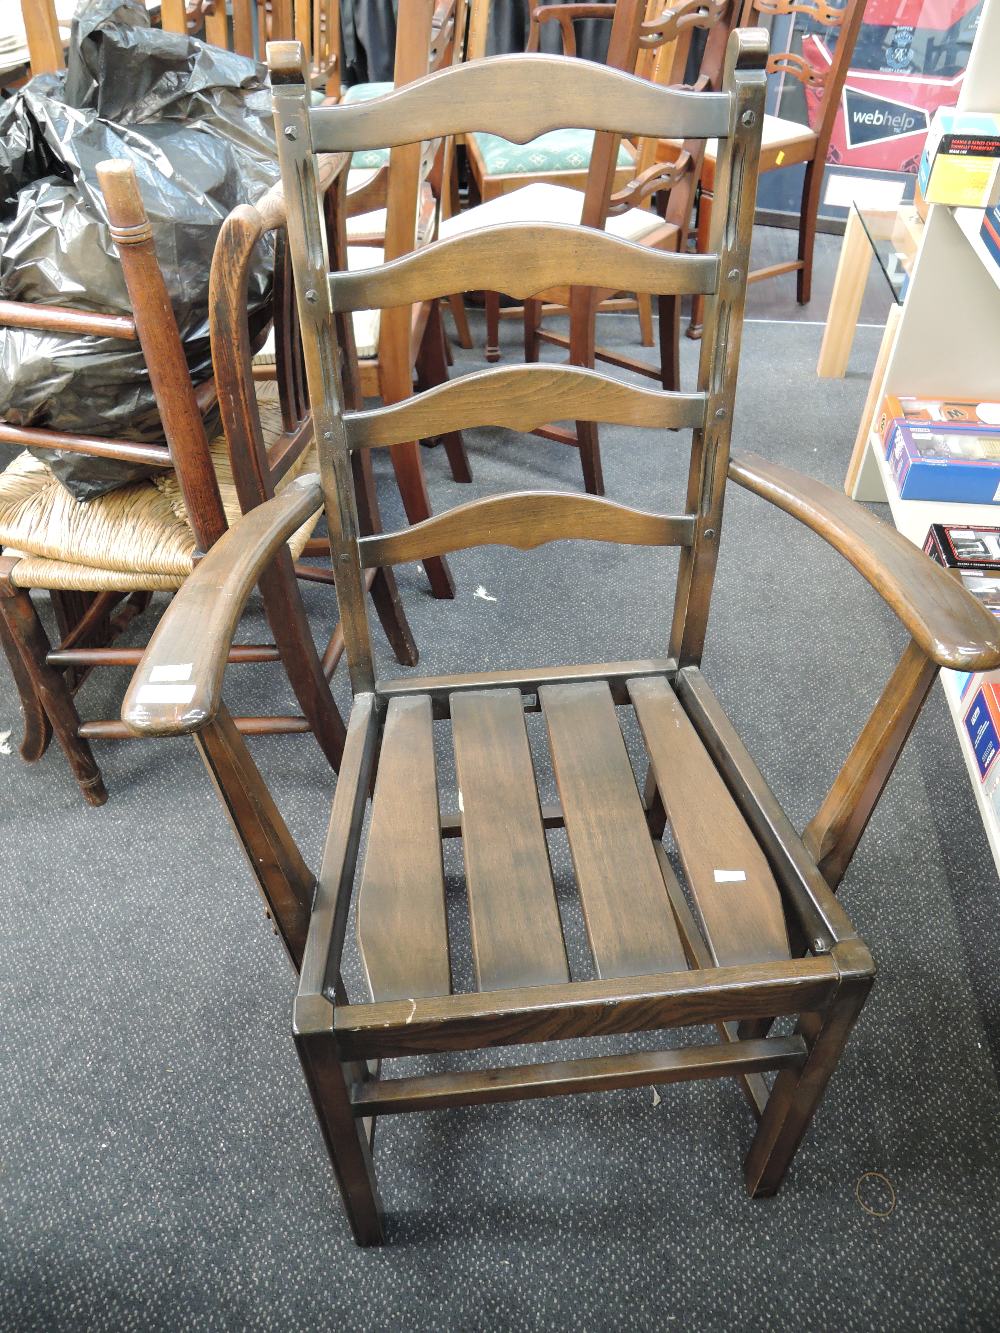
x,y
100,562
790,143
643,35
398,345
756,932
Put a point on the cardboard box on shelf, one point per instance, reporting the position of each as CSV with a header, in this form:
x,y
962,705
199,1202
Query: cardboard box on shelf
x,y
982,726
960,163
941,461
957,411
958,546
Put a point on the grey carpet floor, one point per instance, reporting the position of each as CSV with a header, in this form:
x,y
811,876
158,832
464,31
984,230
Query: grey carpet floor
x,y
159,1162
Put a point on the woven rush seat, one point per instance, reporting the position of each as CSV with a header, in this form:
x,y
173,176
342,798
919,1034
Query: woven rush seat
x,y
133,538
627,888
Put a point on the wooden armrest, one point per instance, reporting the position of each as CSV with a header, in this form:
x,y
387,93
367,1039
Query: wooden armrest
x,y
177,687
945,620
271,206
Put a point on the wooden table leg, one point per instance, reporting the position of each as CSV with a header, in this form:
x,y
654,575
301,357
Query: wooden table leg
x,y
875,394
845,303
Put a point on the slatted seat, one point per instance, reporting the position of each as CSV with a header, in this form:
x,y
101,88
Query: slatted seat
x,y
746,929
621,881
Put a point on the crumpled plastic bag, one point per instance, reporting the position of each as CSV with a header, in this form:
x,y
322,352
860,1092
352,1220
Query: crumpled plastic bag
x,y
196,123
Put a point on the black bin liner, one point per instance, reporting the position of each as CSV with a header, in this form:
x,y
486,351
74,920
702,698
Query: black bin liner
x,y
195,121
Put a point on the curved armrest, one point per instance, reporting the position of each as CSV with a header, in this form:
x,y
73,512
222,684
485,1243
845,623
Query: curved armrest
x,y
945,620
177,686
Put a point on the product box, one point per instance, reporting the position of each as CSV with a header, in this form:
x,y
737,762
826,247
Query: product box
x,y
982,725
957,411
945,462
965,548
989,232
960,163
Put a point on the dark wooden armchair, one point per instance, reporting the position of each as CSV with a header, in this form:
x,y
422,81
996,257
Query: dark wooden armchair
x,y
756,932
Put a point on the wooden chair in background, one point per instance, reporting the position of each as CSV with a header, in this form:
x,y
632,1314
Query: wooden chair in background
x,y
101,561
245,26
395,345
757,931
789,143
636,39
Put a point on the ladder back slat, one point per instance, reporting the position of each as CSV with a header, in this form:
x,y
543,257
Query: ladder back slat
x,y
401,920
523,259
629,920
526,519
516,933
521,398
734,891
500,95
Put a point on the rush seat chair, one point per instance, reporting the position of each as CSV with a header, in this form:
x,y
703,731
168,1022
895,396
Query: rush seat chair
x,y
755,931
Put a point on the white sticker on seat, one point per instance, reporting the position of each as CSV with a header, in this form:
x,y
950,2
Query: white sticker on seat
x,y
178,671
730,876
166,694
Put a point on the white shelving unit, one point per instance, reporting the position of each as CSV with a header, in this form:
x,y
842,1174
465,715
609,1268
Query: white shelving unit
x,y
948,345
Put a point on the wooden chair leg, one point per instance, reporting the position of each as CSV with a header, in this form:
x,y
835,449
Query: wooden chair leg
x,y
293,638
796,1093
345,1136
645,305
432,369
590,457
532,323
704,242
384,590
26,633
457,307
669,313
807,229
582,338
492,301
37,727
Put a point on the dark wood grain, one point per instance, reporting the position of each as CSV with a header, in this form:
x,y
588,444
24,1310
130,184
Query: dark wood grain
x,y
523,259
178,686
521,398
402,927
629,922
560,1077
527,519
516,933
586,1009
500,95
732,885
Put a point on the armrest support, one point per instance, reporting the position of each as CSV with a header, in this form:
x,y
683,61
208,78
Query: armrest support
x,y
945,620
177,687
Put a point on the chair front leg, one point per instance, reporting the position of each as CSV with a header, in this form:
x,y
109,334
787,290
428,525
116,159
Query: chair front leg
x,y
796,1093
807,229
24,631
344,1133
669,312
492,301
37,727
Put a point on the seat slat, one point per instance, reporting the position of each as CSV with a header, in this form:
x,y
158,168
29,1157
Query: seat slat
x,y
523,259
500,96
526,519
516,933
627,911
402,924
521,398
734,891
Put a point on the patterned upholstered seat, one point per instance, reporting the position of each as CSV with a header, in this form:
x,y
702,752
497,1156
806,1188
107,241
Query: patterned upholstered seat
x,y
559,150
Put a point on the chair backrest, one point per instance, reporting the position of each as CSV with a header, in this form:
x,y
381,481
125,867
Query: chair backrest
x,y
182,405
245,26
842,23
521,97
45,44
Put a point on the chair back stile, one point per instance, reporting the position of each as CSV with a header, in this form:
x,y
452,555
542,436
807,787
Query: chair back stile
x,y
843,20
495,96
